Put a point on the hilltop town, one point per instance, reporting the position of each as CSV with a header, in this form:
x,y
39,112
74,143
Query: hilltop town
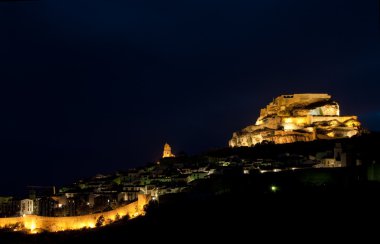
x,y
349,154
172,175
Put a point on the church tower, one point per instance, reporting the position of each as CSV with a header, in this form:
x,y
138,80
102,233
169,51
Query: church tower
x,y
167,152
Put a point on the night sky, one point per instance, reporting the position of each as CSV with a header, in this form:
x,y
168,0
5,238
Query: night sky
x,y
95,86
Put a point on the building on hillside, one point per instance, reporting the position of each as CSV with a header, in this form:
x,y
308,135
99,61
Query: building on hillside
x,y
9,207
40,191
167,151
340,157
46,206
26,207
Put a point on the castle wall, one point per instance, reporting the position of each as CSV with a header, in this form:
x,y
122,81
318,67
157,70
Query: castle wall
x,y
32,222
286,100
297,117
307,120
299,121
308,98
279,105
341,119
331,110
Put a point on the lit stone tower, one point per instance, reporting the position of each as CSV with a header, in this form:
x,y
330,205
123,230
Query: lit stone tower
x,y
167,152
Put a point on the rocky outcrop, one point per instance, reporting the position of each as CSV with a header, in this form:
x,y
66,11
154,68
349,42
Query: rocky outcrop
x,y
297,117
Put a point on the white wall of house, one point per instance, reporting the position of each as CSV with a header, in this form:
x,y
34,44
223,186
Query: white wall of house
x,y
26,207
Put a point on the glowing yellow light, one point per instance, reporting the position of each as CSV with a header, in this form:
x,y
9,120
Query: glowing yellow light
x,y
288,127
167,151
33,224
274,188
32,227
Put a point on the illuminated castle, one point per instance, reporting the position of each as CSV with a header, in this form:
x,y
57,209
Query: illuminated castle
x,y
298,117
167,152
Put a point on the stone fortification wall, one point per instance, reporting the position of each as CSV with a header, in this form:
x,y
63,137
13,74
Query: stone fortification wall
x,y
34,222
297,117
285,102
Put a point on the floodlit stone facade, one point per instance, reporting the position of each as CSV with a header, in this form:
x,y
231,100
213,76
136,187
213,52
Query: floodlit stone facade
x,y
298,117
34,223
167,153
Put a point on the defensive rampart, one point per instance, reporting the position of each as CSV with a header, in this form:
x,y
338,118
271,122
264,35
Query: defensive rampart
x,y
34,223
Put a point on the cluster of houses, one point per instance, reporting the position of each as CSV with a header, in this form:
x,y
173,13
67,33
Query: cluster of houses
x,y
170,175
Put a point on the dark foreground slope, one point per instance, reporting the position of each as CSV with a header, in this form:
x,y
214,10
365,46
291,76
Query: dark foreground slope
x,y
237,212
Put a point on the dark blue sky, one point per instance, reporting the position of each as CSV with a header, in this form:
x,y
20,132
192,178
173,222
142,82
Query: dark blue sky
x,y
95,86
